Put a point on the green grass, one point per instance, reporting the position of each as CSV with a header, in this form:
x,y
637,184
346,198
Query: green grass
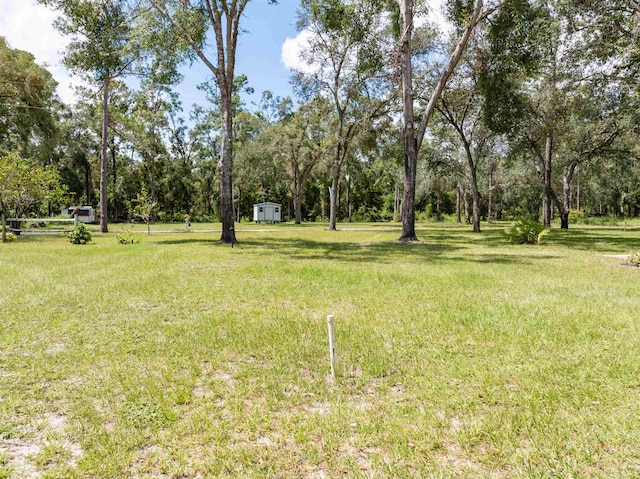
x,y
458,357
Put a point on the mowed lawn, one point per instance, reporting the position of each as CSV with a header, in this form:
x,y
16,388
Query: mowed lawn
x,y
457,357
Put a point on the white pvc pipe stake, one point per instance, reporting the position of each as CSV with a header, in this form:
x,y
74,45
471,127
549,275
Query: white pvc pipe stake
x,y
332,347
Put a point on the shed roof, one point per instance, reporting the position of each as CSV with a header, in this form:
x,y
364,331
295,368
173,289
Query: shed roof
x,y
267,203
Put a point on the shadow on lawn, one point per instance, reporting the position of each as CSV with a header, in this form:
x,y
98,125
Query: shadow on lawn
x,y
597,240
437,245
192,241
385,252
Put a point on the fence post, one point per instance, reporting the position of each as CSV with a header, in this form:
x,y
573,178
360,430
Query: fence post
x,y
332,347
4,229
75,219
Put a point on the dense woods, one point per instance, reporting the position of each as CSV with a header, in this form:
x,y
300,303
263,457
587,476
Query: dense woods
x,y
518,109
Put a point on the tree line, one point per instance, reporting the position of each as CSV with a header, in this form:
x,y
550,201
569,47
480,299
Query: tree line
x,y
517,108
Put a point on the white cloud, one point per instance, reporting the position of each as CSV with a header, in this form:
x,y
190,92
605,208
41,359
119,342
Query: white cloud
x,y
435,16
292,49
29,26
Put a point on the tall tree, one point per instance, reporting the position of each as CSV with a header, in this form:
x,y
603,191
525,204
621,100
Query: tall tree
x,y
344,64
24,184
412,136
461,107
191,20
300,142
100,47
27,106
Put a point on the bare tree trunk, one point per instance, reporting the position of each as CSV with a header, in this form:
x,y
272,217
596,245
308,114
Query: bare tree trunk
x,y
476,201
335,179
438,200
297,197
347,205
467,210
564,207
412,139
408,130
103,157
458,203
490,201
114,165
297,207
396,202
548,190
225,165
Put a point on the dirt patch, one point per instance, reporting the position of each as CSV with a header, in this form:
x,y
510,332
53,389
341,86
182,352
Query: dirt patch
x,y
22,454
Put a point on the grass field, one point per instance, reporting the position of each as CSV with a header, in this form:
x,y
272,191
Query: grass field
x,y
458,357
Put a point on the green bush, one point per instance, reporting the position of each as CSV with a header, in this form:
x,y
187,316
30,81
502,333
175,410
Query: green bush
x,y
576,216
79,235
525,231
10,237
126,237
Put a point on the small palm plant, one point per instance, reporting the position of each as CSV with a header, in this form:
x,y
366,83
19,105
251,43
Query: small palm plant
x,y
526,231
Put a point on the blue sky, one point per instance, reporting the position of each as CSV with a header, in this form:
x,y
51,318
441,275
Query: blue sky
x,y
259,56
266,52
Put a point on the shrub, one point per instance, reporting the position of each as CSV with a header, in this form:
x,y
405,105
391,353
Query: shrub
x,y
576,216
10,237
79,235
633,260
126,237
525,231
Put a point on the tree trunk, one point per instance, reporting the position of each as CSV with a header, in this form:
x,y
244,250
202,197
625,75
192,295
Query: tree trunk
x,y
473,179
114,165
396,202
458,203
297,207
347,205
297,197
408,135
476,202
335,179
565,206
490,202
546,173
465,203
103,157
225,166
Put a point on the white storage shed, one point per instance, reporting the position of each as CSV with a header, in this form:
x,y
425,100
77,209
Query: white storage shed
x,y
86,214
267,212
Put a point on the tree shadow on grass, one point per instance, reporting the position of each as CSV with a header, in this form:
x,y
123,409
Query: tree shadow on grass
x,y
379,252
597,240
384,252
193,241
